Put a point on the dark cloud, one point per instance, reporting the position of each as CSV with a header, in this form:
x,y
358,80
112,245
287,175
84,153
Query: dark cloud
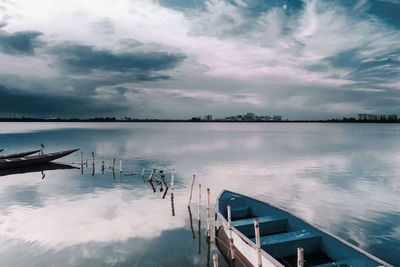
x,y
105,26
380,69
255,8
388,11
19,43
23,102
121,90
82,59
179,4
345,59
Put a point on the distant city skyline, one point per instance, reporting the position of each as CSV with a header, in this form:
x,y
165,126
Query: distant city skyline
x,y
310,59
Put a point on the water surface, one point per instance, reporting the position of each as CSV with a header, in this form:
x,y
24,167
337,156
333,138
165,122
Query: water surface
x,y
341,177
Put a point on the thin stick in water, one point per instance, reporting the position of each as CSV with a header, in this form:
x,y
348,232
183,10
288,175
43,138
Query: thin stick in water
x,y
208,213
191,189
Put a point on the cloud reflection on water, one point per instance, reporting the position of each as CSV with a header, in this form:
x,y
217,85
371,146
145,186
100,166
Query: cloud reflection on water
x,y
340,177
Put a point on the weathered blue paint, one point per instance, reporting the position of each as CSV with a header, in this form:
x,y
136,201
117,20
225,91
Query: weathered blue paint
x,y
282,233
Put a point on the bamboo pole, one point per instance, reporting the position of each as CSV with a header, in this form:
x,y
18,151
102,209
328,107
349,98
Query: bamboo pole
x,y
199,204
258,245
208,213
230,233
172,205
82,158
120,165
172,181
300,257
191,190
215,259
191,222
199,234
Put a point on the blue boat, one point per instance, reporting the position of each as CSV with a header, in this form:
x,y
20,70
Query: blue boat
x,y
281,234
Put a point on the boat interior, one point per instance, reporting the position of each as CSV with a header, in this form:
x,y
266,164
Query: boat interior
x,y
282,233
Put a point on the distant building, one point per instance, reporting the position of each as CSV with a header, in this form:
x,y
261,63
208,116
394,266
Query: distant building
x,y
382,117
250,116
277,118
207,118
392,117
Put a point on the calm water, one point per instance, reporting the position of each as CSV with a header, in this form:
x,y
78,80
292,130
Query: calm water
x,y
341,177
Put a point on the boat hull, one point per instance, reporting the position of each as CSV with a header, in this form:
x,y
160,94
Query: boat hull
x,y
19,155
282,233
33,160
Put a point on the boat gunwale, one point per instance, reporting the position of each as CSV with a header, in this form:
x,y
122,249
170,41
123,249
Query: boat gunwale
x,y
305,221
19,155
242,236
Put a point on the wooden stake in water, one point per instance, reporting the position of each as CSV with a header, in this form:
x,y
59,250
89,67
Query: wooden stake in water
x,y
208,213
199,204
113,166
215,260
300,257
143,174
93,158
172,181
191,190
82,158
230,233
258,245
120,165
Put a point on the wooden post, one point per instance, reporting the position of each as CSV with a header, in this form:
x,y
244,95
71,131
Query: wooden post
x,y
113,167
172,181
120,165
143,174
258,245
199,234
191,190
215,260
199,204
300,257
191,223
230,233
93,158
208,213
81,162
172,205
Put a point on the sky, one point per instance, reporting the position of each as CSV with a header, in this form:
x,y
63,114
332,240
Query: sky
x,y
178,59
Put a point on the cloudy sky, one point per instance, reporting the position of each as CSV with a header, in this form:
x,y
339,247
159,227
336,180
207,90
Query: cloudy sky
x,y
178,59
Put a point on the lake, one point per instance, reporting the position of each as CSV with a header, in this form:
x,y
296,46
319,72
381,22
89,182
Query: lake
x,y
343,178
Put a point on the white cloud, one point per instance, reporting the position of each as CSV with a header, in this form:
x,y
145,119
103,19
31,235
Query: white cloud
x,y
64,222
225,47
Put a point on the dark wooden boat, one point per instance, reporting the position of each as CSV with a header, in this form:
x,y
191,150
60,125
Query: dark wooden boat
x,y
282,234
36,168
18,155
33,160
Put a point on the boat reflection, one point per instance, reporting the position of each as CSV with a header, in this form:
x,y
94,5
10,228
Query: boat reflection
x,y
37,168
